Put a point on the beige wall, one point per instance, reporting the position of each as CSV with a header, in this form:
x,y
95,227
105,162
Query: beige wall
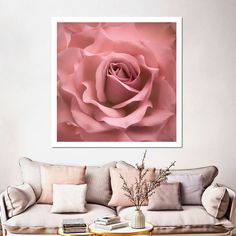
x,y
209,88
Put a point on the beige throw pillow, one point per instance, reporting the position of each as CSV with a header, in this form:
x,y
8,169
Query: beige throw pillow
x,y
59,175
118,195
19,198
69,198
215,200
166,197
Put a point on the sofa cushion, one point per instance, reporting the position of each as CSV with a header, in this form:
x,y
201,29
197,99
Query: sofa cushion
x,y
57,174
191,187
18,199
215,200
166,197
118,194
38,219
69,198
96,177
98,180
190,219
208,173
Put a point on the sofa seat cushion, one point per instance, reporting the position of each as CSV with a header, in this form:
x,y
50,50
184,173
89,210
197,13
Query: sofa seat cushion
x,y
192,219
38,219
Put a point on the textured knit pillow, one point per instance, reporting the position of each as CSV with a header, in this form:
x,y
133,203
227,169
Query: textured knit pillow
x,y
215,200
166,197
191,187
18,199
59,175
130,174
69,198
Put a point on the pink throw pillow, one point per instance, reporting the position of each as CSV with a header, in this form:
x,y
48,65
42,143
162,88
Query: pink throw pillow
x,y
52,174
118,194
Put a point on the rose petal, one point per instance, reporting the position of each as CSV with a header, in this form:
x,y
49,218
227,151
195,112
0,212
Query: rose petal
x,y
67,59
83,39
63,37
63,111
168,131
166,96
113,135
166,59
85,121
103,44
69,90
118,92
89,97
157,33
67,133
76,27
157,117
147,134
130,119
114,33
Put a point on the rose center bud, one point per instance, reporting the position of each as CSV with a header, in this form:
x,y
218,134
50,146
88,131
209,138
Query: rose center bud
x,y
121,82
121,71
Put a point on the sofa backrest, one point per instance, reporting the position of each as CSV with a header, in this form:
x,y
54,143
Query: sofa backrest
x,y
97,179
208,173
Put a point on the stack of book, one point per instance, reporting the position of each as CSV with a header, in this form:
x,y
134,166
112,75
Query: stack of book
x,y
74,226
110,223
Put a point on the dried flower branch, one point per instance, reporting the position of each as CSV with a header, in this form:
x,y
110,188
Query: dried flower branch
x,y
141,189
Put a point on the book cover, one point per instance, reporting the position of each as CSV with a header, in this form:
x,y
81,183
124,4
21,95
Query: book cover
x,y
112,226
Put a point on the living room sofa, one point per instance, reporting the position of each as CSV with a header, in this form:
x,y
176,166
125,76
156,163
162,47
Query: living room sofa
x,y
192,219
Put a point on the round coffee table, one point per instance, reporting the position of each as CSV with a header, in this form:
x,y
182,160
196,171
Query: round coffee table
x,y
122,231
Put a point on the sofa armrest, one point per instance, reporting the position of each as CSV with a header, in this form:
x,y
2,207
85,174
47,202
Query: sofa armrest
x,y
231,212
3,208
3,211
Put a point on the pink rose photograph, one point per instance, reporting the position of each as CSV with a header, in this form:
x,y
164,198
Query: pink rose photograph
x,y
117,83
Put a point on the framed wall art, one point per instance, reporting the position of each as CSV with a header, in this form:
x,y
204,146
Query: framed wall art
x,y
117,82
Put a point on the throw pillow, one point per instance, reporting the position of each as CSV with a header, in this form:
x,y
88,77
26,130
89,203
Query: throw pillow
x,y
215,199
191,188
18,199
98,179
30,171
118,195
166,197
59,175
69,198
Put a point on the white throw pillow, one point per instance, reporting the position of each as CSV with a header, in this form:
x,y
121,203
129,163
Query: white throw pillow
x,y
69,198
215,200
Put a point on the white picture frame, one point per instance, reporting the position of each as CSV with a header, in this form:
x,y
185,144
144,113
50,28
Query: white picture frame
x,y
166,144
